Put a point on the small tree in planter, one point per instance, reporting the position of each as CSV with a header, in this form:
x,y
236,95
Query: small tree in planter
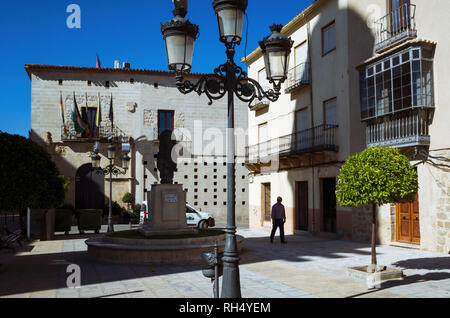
x,y
376,176
129,199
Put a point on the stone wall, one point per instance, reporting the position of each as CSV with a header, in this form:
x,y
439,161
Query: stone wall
x,y
137,97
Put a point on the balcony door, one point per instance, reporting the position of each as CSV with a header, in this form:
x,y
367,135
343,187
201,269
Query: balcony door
x,y
165,121
301,57
302,137
400,11
89,116
263,137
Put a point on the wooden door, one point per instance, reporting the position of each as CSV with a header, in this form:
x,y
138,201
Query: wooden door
x,y
89,189
302,206
266,202
329,204
408,222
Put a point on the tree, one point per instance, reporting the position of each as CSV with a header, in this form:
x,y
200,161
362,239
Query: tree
x,y
28,176
129,199
374,177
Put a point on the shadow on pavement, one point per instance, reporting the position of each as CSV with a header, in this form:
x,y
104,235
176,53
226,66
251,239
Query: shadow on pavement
x,y
431,263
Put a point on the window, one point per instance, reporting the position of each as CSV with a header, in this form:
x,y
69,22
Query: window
x,y
330,113
328,38
401,81
165,120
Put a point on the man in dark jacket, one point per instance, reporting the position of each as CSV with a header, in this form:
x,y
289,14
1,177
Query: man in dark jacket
x,y
278,220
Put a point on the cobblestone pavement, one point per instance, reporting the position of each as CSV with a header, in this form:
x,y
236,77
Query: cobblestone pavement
x,y
304,268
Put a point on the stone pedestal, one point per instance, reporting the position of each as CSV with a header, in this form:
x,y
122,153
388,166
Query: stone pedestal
x,y
167,208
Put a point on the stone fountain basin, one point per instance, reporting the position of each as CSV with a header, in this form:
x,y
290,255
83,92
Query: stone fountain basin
x,y
133,251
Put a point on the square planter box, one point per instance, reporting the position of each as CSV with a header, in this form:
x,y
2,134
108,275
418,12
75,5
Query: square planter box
x,y
90,220
360,272
63,221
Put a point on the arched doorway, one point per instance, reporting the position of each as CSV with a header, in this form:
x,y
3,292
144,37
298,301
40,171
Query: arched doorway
x,y
89,189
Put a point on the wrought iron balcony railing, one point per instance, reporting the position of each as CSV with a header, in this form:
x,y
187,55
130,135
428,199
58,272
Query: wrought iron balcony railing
x,y
259,104
405,129
297,77
320,138
103,134
397,26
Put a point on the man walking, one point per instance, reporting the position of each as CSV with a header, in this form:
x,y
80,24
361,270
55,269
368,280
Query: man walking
x,y
278,220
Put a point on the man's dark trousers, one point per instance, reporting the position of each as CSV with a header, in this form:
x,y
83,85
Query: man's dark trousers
x,y
277,223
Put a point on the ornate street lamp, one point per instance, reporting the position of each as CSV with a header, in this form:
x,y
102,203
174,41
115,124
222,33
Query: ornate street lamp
x,y
230,18
110,170
276,49
228,79
180,35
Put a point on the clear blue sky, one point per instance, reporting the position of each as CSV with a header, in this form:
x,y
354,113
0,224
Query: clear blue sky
x,y
35,32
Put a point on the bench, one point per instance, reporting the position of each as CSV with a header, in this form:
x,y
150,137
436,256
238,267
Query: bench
x,y
7,241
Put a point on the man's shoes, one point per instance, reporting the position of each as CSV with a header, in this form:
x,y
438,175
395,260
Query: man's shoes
x,y
271,241
283,242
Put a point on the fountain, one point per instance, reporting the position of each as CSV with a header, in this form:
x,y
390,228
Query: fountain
x,y
165,239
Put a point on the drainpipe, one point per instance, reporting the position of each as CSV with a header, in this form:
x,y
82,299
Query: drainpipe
x,y
313,226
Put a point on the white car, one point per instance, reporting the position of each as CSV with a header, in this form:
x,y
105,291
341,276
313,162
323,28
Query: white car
x,y
202,220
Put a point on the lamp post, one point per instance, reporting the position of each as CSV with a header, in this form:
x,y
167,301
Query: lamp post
x,y
111,170
228,79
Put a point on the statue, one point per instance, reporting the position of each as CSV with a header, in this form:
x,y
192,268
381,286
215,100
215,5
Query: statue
x,y
165,163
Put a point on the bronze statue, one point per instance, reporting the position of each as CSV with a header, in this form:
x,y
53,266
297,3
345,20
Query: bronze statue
x,y
165,162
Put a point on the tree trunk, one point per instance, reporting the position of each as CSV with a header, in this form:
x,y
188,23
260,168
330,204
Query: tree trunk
x,y
373,267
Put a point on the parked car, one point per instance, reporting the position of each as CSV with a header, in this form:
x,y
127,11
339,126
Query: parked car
x,y
202,220
144,213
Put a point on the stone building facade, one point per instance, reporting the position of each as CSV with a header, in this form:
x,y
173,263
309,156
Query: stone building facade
x,y
330,109
144,102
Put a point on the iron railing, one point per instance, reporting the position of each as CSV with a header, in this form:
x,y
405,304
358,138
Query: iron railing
x,y
400,130
320,138
103,133
398,25
298,76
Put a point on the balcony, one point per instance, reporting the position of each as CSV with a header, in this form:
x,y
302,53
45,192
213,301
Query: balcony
x,y
405,129
297,77
317,139
103,134
260,104
395,27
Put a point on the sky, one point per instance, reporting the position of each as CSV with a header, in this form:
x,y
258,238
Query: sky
x,y
36,32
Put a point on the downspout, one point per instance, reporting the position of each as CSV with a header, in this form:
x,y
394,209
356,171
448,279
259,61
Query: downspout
x,y
313,225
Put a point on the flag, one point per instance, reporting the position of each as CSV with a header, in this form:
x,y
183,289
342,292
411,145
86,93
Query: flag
x,y
99,64
62,113
111,112
98,117
62,110
79,124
